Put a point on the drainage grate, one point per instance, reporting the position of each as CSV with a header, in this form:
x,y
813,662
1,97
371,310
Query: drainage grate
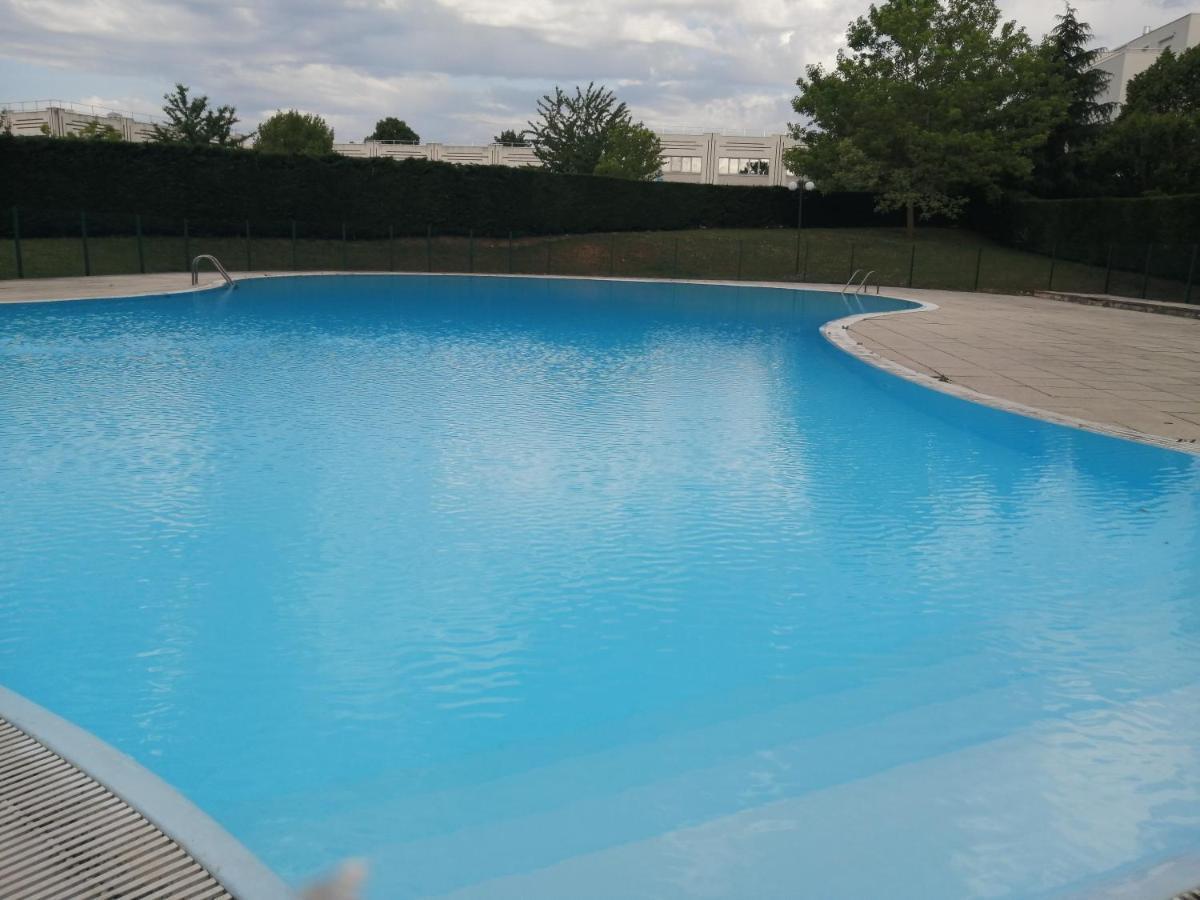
x,y
64,835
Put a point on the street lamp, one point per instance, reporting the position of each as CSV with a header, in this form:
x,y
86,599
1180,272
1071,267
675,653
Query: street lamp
x,y
800,187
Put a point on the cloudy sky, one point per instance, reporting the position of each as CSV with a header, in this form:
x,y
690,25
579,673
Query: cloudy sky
x,y
457,70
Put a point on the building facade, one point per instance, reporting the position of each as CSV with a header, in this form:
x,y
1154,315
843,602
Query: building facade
x,y
1132,58
698,158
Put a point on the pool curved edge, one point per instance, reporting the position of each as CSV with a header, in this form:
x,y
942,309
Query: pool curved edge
x,y
228,861
837,332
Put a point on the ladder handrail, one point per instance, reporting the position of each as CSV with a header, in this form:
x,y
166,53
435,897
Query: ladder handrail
x,y
850,280
216,264
862,287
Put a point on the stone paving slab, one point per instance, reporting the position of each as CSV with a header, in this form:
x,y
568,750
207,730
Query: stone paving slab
x,y
1131,370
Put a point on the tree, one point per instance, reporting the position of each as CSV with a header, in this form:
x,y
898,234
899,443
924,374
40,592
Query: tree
x,y
1058,163
936,100
294,132
571,133
393,129
509,136
632,151
94,130
1153,145
190,121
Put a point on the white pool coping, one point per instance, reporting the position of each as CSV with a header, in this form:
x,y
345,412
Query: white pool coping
x,y
228,861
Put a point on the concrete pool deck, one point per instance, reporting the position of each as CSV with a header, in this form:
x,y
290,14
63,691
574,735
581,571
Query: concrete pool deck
x,y
1131,373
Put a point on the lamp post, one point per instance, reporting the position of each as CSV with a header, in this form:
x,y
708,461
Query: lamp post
x,y
800,186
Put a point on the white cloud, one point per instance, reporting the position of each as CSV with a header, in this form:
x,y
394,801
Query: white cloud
x,y
458,70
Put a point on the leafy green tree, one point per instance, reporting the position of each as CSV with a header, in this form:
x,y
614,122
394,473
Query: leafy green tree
x,y
571,132
509,136
92,131
294,132
191,121
1058,164
632,151
1171,84
393,129
1153,145
936,101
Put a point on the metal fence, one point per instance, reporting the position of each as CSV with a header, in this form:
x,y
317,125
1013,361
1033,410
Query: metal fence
x,y
42,243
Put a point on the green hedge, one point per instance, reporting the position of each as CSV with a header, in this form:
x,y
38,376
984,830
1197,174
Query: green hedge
x,y
155,180
1099,223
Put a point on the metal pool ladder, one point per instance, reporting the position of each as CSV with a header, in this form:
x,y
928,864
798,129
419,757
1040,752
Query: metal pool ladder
x,y
862,286
216,264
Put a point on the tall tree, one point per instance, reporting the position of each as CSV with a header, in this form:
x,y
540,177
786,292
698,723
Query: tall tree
x,y
1153,145
511,137
632,151
191,121
294,132
1058,164
571,132
393,129
935,101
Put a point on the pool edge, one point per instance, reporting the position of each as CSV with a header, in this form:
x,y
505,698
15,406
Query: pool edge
x,y
239,871
837,332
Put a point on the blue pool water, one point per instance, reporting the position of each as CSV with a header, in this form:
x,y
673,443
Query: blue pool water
x,y
549,589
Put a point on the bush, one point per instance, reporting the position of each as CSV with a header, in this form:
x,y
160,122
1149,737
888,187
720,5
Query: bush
x,y
216,184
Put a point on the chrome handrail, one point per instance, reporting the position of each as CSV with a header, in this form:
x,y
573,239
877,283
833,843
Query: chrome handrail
x,y
850,280
862,287
216,263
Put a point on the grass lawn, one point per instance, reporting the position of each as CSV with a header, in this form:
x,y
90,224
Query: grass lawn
x,y
938,258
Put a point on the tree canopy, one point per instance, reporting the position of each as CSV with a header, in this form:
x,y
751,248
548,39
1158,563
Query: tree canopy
x,y
1059,163
294,132
393,129
572,131
1153,145
191,121
511,136
935,101
632,151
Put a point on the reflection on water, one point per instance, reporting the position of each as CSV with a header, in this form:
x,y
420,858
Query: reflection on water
x,y
536,588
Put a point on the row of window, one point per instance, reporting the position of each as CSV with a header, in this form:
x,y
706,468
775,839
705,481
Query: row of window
x,y
726,165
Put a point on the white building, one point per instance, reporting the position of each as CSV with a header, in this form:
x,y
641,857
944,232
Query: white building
x,y
1126,62
699,158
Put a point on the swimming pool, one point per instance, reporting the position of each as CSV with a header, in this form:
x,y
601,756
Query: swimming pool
x,y
551,588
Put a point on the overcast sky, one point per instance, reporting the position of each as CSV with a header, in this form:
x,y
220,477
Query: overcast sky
x,y
458,70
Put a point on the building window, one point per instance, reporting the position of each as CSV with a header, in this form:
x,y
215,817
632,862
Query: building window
x,y
688,165
734,165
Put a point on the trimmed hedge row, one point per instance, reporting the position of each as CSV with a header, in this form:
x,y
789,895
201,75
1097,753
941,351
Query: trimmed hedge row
x,y
210,183
1099,223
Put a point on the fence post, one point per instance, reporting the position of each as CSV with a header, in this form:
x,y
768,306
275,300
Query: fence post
x,y
797,251
429,248
137,224
87,260
1108,269
391,248
1146,272
16,220
912,263
345,259
1053,260
471,250
249,261
978,266
741,247
675,259
293,245
851,275
612,254
804,269
1187,294
510,252
187,247
549,257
